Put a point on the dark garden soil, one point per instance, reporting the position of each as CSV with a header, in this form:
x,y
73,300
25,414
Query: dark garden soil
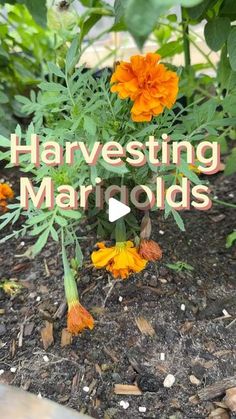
x,y
198,341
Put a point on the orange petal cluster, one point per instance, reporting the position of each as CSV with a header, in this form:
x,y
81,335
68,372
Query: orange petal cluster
x,y
78,318
6,193
150,85
121,260
150,250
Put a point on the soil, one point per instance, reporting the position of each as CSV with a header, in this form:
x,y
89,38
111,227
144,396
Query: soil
x,y
185,310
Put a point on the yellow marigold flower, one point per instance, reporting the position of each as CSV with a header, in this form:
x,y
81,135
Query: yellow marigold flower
x,y
150,250
6,192
121,260
78,318
150,85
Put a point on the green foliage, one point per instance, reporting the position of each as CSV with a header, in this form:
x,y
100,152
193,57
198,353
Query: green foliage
x,y
73,105
141,16
180,266
231,238
38,12
232,48
23,43
216,32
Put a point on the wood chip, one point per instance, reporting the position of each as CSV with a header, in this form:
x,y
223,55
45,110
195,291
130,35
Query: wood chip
x,y
29,327
111,354
60,311
66,338
217,389
20,337
126,389
218,413
144,326
186,327
230,399
47,335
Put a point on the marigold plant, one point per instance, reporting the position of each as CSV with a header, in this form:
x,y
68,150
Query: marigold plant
x,y
140,99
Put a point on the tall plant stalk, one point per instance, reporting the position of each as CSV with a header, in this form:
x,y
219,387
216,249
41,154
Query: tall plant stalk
x,y
186,42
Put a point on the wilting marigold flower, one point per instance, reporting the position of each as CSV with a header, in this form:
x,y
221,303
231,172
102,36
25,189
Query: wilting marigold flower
x,y
150,85
78,318
6,193
121,260
150,250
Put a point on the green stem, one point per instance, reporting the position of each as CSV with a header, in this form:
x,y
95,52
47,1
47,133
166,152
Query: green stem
x,y
226,204
186,42
120,231
71,290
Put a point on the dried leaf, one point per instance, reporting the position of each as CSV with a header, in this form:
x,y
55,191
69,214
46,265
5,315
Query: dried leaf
x,y
66,338
131,390
144,326
146,227
186,327
47,335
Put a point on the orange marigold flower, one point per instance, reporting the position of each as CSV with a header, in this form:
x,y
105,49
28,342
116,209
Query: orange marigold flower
x,y
150,250
78,318
6,192
121,260
150,85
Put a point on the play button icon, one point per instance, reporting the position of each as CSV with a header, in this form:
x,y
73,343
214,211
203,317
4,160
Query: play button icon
x,y
116,210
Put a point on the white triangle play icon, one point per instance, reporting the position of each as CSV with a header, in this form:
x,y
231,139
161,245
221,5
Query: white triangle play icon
x,y
116,209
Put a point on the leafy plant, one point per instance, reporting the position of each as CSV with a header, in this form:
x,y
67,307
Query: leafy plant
x,y
231,238
180,266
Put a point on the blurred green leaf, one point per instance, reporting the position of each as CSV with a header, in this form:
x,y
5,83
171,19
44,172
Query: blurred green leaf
x,y
171,48
216,32
230,167
232,48
231,238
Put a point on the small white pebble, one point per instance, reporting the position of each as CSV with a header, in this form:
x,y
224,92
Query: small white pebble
x,y
120,299
86,389
231,195
38,299
125,308
182,307
194,380
45,358
124,404
225,312
1,372
169,381
56,303
162,356
13,369
22,244
142,409
163,280
161,232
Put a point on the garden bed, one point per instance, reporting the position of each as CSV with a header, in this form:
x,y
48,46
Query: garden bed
x,y
184,309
